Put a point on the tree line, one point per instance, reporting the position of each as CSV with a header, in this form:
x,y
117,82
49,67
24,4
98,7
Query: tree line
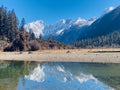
x,y
9,25
110,40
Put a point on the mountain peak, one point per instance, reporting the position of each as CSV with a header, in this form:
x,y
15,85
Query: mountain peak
x,y
63,21
83,22
79,20
93,19
107,10
36,26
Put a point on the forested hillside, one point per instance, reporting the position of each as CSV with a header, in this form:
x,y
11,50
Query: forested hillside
x,y
109,40
104,32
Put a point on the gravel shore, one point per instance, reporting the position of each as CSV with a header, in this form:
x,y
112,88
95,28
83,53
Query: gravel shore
x,y
81,55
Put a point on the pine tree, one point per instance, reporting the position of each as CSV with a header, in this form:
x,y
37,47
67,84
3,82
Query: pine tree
x,y
8,24
110,40
32,35
13,26
40,37
1,21
5,25
22,25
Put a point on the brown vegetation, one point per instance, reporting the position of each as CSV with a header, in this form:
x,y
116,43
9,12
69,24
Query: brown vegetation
x,y
3,44
52,44
23,43
20,43
34,45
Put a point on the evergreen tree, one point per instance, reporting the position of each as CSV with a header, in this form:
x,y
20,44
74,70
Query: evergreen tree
x,y
8,24
22,25
32,35
40,37
110,40
1,21
13,26
5,25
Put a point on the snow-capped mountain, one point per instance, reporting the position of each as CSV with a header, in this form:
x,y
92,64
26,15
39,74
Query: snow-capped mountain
x,y
37,27
78,26
68,31
80,22
57,28
61,29
107,10
104,25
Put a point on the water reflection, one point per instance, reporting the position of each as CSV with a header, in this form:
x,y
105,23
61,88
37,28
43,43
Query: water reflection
x,y
58,76
10,73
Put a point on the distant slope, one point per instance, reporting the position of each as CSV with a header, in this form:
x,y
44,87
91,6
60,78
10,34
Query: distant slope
x,y
106,24
104,32
57,28
109,40
72,34
69,31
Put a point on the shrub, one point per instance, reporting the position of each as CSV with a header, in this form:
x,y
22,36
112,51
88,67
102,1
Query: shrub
x,y
34,45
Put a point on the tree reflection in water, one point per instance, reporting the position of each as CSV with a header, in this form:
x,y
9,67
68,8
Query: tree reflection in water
x,y
11,71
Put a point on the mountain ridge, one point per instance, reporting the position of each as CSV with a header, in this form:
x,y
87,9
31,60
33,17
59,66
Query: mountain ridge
x,y
58,29
68,31
104,25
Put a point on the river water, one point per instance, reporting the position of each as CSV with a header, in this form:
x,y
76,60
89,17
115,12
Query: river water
x,y
58,76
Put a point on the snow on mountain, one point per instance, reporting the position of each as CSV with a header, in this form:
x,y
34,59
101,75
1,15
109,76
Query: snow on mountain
x,y
68,30
72,33
37,27
59,32
107,10
106,24
93,19
57,29
80,22
63,21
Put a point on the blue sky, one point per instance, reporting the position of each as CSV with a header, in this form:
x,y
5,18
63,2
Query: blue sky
x,y
51,11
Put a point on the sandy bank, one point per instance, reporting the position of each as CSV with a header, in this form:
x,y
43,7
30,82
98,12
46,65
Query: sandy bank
x,y
82,55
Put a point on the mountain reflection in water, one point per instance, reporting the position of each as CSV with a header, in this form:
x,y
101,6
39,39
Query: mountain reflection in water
x,y
58,76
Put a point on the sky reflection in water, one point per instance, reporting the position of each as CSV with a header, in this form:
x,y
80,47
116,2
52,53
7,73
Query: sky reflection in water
x,y
58,76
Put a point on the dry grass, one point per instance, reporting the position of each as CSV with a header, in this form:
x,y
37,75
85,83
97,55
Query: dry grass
x,y
71,55
81,50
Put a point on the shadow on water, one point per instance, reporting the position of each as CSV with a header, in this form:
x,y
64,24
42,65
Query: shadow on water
x,y
11,72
